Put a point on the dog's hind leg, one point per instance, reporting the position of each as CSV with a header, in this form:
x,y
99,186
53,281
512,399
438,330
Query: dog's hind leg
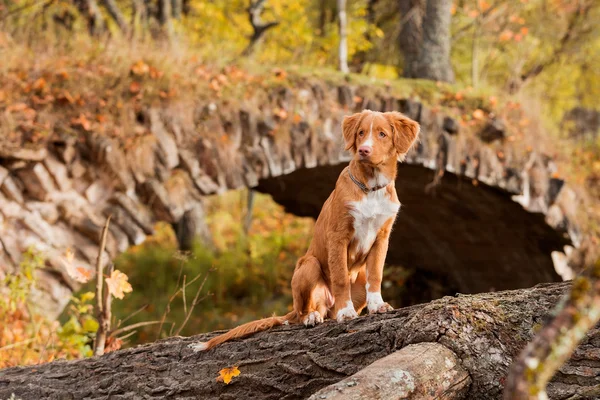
x,y
312,298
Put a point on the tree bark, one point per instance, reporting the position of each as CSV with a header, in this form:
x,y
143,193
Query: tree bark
x,y
486,331
429,57
411,35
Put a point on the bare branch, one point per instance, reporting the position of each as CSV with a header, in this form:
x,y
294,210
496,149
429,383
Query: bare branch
x,y
103,301
259,27
132,327
197,300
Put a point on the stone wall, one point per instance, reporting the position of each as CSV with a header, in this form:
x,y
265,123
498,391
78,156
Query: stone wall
x,y
56,197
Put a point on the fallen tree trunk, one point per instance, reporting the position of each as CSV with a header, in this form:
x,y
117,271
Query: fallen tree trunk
x,y
418,371
485,331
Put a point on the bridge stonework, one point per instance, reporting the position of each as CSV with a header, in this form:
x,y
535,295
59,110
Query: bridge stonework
x,y
475,209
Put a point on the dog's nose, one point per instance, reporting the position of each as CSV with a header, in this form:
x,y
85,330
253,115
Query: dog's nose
x,y
365,151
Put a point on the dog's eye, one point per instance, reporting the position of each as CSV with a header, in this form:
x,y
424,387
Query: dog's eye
x,y
361,133
381,135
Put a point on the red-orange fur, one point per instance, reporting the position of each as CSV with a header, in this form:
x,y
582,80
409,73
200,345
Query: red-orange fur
x,y
333,270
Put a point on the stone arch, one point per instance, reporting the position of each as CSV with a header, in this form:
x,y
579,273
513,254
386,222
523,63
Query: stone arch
x,y
57,195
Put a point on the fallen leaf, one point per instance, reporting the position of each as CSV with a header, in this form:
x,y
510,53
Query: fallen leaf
x,y
279,73
478,114
39,84
112,344
82,121
135,87
506,35
118,284
226,374
17,107
84,273
140,68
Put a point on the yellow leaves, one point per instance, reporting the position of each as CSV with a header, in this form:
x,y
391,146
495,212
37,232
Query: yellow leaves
x,y
118,284
227,374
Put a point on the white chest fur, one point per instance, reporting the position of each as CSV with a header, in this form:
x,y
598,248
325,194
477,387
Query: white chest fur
x,y
370,213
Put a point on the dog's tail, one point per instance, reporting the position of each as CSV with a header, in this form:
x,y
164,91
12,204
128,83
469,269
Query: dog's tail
x,y
246,330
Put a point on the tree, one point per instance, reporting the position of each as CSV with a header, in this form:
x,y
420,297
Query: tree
x,y
343,50
425,39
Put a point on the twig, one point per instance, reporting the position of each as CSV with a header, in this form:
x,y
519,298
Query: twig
x,y
168,308
133,314
132,326
126,336
194,303
13,345
183,295
102,304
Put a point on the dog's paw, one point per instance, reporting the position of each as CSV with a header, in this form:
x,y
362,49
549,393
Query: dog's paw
x,y
312,319
380,308
347,313
375,303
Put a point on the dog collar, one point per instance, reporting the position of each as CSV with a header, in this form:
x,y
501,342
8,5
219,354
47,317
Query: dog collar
x,y
362,186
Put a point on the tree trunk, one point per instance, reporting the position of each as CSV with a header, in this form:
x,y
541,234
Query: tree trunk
x,y
343,24
429,57
116,14
418,371
411,35
91,12
485,331
164,16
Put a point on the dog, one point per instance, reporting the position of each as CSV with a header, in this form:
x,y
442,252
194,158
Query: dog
x,y
342,270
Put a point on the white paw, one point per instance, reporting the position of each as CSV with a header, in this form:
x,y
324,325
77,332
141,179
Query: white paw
x,y
346,313
199,346
375,303
312,319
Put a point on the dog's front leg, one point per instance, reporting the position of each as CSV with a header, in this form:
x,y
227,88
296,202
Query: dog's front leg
x,y
375,262
340,280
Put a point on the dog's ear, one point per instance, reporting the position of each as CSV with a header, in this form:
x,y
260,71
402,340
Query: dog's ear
x,y
405,132
350,129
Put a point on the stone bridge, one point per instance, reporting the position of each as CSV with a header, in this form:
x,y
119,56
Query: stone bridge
x,y
477,211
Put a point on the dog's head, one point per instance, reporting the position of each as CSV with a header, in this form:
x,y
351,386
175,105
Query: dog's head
x,y
375,137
